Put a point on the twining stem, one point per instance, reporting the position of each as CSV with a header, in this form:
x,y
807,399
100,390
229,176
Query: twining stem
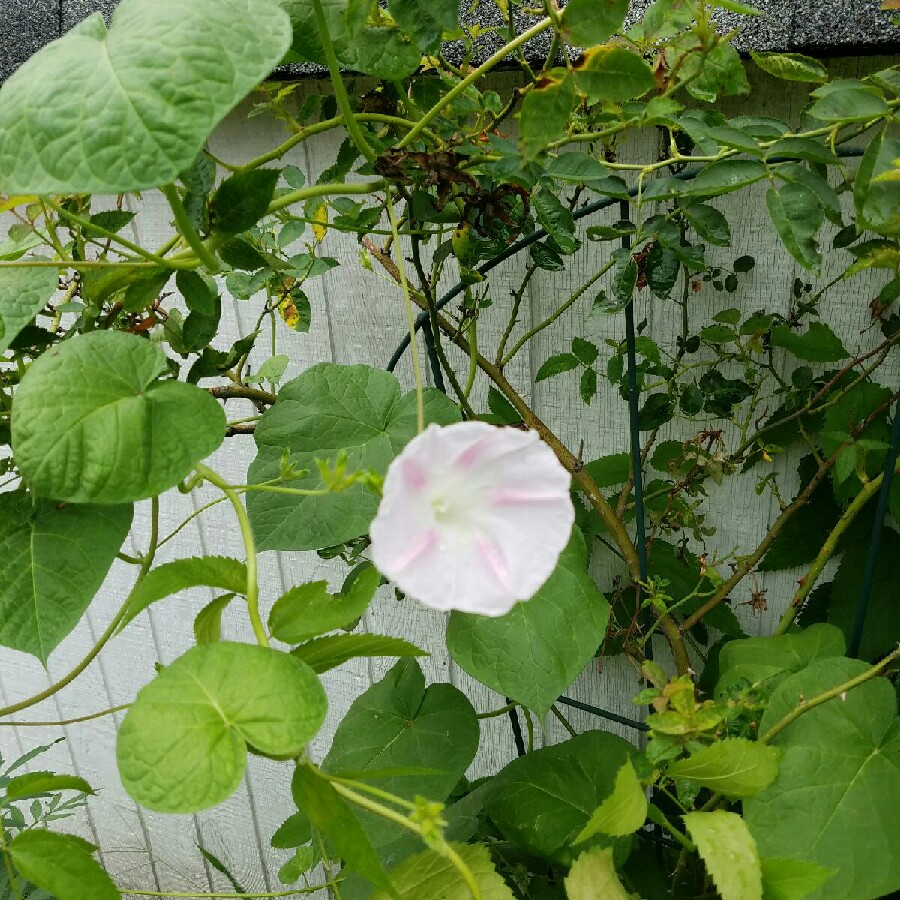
x,y
252,592
410,317
827,551
187,231
806,705
61,722
111,629
470,79
555,315
340,92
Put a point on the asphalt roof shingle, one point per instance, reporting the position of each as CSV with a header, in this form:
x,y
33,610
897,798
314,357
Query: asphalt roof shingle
x,y
818,26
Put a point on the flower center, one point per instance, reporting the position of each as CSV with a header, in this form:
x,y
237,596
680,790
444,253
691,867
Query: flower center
x,y
451,512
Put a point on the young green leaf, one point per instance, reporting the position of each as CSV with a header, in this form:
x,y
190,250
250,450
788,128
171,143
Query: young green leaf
x,y
117,433
325,653
61,864
709,223
622,812
182,746
151,125
36,784
729,852
556,219
587,385
733,767
556,365
182,574
308,610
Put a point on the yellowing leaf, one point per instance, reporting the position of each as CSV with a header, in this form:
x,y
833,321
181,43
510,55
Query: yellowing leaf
x,y
320,220
295,311
7,203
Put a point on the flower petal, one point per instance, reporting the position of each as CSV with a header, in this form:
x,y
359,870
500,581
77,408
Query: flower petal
x,y
473,517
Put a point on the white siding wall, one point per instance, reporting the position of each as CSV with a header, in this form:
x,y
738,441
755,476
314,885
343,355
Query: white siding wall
x,y
358,318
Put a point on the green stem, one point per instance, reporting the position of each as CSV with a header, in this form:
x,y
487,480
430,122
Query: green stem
x,y
555,315
470,79
340,92
61,722
472,335
134,248
187,230
192,516
252,592
658,818
492,713
324,190
514,314
824,697
399,819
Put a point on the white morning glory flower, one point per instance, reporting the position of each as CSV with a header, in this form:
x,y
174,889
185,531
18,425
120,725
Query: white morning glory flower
x,y
473,517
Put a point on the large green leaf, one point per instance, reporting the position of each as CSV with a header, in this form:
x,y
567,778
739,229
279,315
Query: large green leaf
x,y
734,767
791,879
791,66
723,177
344,18
764,659
35,784
797,215
167,73
593,875
729,852
841,767
181,574
543,801
23,294
331,409
55,557
61,864
183,744
400,724
430,875
534,652
92,422
308,610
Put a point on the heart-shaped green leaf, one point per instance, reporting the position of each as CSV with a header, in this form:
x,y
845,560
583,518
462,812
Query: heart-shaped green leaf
x,y
23,294
167,72
543,801
183,744
92,422
534,652
55,557
327,410
841,767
